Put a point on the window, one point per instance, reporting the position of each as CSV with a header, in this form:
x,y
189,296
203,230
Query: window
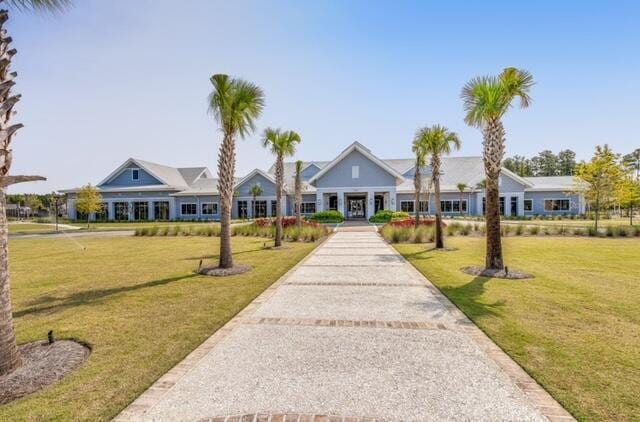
x,y
135,174
103,214
161,210
333,202
209,208
188,209
484,205
424,206
260,209
407,206
242,209
121,211
445,206
308,208
556,205
140,210
528,205
274,207
355,172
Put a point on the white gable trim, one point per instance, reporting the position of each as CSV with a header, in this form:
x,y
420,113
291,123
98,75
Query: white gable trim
x,y
123,166
253,173
356,146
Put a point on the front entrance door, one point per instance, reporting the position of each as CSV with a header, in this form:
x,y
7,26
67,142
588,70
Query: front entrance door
x,y
356,208
379,203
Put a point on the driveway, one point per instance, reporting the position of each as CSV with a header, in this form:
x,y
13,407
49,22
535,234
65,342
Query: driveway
x,y
353,332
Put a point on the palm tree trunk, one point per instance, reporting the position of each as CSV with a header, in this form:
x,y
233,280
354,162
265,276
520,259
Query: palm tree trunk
x,y
417,184
493,153
298,201
226,171
435,175
279,187
9,354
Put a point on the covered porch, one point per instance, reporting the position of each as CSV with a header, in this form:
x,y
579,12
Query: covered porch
x,y
356,203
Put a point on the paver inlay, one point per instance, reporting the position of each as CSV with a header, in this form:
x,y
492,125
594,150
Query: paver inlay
x,y
350,331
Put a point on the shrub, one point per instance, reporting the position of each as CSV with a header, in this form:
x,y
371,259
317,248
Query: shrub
x,y
466,230
610,231
635,231
411,222
534,230
578,232
591,231
506,229
519,230
332,216
382,216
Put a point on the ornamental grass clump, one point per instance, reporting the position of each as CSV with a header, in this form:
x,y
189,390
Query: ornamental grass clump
x,y
534,230
519,230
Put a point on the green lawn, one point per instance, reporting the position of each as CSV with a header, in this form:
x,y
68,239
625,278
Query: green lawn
x,y
575,328
137,303
30,228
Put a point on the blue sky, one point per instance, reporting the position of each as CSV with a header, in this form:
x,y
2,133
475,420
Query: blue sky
x,y
108,80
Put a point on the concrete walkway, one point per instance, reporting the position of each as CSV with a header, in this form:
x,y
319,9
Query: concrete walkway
x,y
353,331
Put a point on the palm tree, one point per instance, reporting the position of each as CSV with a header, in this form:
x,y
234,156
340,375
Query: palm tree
x,y
298,192
437,140
486,100
461,188
9,354
235,104
255,191
282,144
421,156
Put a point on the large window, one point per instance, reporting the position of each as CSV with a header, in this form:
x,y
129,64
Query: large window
x,y
242,209
161,210
121,211
260,209
103,214
556,205
188,209
454,206
308,208
407,206
528,205
140,210
209,208
424,206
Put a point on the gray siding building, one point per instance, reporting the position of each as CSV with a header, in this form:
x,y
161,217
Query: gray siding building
x,y
356,183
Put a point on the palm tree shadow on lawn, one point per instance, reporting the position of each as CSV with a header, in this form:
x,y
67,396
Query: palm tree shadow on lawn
x,y
86,297
467,297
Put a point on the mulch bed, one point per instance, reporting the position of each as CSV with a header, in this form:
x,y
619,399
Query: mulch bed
x,y
483,272
223,272
42,365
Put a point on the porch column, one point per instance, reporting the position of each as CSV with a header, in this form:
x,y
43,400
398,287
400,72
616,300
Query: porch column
x,y
130,210
391,200
521,205
152,211
507,204
479,197
111,211
370,203
172,208
319,201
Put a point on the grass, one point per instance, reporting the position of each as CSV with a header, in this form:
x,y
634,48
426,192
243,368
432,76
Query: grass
x,y
574,328
30,228
135,301
566,222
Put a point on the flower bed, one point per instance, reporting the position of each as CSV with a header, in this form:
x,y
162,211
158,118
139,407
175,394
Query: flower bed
x,y
411,222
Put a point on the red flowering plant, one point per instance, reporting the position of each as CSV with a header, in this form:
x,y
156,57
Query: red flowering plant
x,y
411,222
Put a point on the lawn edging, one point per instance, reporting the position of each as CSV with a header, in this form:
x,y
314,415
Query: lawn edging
x,y
152,395
541,399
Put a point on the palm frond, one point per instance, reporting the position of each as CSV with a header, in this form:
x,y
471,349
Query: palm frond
x,y
518,83
484,100
235,104
38,5
281,143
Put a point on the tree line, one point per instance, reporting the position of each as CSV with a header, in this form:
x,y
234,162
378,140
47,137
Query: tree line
x,y
546,163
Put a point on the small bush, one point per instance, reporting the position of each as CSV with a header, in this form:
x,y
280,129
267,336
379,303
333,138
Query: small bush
x,y
382,216
611,231
534,230
578,232
591,231
466,230
506,229
635,231
331,216
519,230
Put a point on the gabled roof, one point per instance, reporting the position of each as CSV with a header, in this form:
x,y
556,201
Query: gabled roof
x,y
357,146
552,183
515,177
191,174
166,175
266,175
